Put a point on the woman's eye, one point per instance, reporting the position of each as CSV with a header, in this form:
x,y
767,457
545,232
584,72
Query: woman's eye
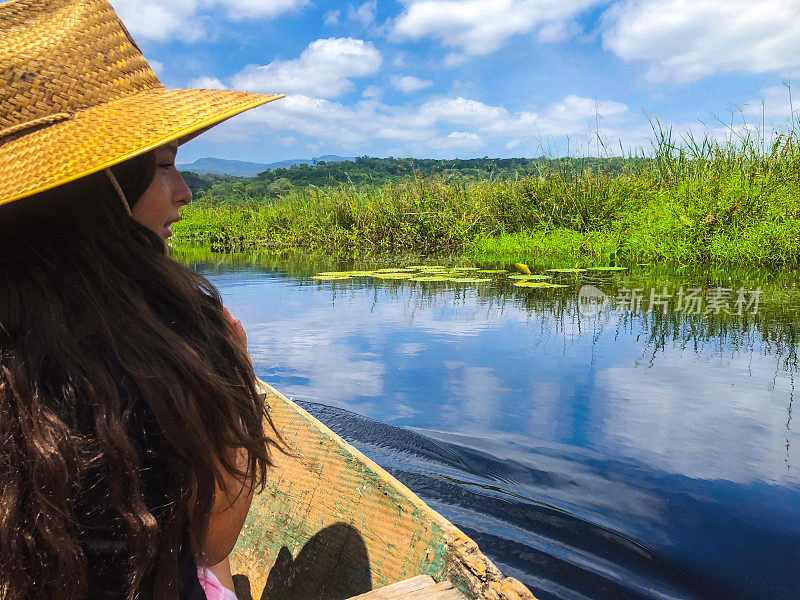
x,y
167,165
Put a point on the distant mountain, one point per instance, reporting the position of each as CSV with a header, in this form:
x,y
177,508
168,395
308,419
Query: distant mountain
x,y
240,168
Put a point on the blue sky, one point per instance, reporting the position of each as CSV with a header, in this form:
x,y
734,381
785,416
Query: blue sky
x,y
473,78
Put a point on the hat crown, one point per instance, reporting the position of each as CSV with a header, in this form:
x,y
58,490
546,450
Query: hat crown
x,y
61,56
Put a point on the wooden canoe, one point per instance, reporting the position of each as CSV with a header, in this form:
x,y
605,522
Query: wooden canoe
x,y
332,524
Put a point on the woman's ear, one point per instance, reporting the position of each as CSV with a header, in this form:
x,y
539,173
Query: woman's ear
x,y
120,194
135,175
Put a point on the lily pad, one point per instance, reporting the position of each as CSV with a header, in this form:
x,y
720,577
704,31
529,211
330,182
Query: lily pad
x,y
531,284
394,270
530,277
608,268
330,277
465,268
344,273
470,279
425,279
493,271
393,276
538,284
566,270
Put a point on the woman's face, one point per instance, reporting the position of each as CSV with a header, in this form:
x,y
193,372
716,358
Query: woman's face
x,y
159,207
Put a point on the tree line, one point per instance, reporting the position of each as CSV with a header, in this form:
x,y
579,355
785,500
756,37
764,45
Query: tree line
x,y
270,184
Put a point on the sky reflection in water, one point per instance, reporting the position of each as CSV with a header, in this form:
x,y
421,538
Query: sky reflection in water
x,y
636,428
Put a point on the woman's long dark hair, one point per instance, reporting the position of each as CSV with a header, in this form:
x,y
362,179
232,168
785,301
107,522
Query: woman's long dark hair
x,y
95,320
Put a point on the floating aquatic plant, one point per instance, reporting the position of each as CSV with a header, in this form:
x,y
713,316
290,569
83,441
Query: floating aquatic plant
x,y
493,271
608,268
345,273
389,273
394,270
522,268
538,284
531,284
393,276
566,270
330,277
470,279
465,268
425,279
529,277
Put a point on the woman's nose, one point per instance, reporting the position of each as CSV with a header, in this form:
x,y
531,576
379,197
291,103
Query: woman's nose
x,y
183,193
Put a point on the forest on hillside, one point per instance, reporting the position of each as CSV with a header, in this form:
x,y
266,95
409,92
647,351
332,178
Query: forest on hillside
x,y
214,189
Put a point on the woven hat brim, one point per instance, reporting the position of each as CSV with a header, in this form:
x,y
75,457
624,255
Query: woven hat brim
x,y
110,133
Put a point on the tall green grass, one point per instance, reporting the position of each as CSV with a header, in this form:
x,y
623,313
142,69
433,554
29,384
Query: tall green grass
x,y
692,201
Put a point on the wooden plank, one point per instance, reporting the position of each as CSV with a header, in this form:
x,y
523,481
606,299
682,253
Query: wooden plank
x,y
418,583
331,523
421,587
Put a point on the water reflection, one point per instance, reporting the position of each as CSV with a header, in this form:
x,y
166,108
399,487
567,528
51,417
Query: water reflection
x,y
615,455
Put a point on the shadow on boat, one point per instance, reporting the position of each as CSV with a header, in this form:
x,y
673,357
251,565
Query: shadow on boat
x,y
333,565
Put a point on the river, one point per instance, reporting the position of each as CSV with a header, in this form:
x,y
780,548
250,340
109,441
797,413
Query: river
x,y
627,436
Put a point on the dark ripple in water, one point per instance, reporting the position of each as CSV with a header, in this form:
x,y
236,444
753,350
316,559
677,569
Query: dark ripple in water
x,y
556,554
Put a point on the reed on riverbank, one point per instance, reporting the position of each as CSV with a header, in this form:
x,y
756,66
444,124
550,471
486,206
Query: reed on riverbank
x,y
691,202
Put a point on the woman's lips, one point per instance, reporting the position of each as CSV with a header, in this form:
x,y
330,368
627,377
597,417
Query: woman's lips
x,y
168,229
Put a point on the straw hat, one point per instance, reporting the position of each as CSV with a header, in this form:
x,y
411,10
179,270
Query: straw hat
x,y
77,96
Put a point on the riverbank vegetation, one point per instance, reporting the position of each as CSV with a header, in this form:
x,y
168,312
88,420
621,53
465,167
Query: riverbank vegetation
x,y
689,202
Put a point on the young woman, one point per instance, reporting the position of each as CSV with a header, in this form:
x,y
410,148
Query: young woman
x,y
132,432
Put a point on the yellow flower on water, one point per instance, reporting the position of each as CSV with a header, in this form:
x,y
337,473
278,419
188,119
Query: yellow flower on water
x,y
523,268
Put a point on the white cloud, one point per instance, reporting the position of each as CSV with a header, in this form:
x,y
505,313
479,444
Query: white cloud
x,y
372,91
324,69
477,27
287,141
458,139
566,117
647,419
562,116
317,118
244,9
472,394
409,83
454,59
332,17
363,15
463,111
445,124
157,66
155,20
187,19
776,104
558,31
207,83
684,40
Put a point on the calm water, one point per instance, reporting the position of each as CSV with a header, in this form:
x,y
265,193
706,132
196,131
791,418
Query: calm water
x,y
623,454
